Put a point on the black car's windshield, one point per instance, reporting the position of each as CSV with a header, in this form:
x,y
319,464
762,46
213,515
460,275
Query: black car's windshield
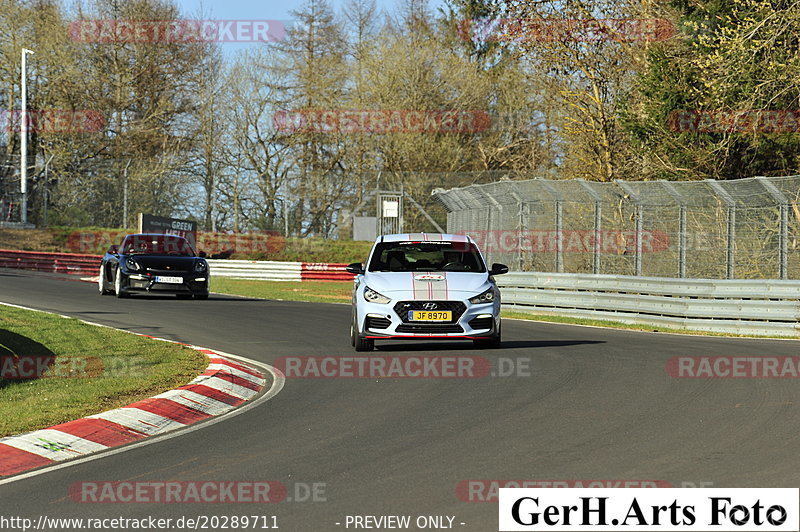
x,y
157,245
426,256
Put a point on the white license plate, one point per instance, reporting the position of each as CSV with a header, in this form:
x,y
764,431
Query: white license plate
x,y
169,280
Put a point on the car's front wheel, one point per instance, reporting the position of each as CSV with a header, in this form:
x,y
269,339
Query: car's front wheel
x,y
101,281
118,277
358,341
490,342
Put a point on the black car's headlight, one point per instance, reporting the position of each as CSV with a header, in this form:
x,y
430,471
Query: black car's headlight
x,y
486,297
375,297
132,265
200,266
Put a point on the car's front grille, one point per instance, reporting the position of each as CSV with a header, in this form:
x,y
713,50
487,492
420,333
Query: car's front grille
x,y
481,323
429,328
401,308
377,323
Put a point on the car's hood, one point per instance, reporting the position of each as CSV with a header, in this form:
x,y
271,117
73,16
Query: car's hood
x,y
427,285
165,262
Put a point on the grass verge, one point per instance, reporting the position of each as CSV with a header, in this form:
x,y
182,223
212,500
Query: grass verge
x,y
313,291
251,246
85,369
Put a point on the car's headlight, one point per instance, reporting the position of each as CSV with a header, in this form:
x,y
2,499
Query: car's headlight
x,y
200,266
486,297
132,265
374,297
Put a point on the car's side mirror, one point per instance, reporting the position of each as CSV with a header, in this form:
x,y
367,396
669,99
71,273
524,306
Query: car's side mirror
x,y
113,249
498,269
202,254
355,268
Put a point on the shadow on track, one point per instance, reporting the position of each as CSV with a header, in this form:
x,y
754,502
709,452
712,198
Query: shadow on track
x,y
171,297
418,345
14,348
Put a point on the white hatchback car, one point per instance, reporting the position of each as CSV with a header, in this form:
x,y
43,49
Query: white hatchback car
x,y
425,286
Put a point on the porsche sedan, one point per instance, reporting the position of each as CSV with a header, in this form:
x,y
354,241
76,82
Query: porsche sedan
x,y
154,264
425,286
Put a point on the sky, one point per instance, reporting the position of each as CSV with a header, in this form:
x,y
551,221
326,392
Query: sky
x,y
267,10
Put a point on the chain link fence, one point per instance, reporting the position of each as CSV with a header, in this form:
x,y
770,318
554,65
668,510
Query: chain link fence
x,y
739,229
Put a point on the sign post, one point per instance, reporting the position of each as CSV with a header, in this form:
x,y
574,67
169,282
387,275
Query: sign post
x,y
169,226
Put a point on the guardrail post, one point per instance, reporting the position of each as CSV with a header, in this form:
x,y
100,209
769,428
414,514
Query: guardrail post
x,y
783,221
730,240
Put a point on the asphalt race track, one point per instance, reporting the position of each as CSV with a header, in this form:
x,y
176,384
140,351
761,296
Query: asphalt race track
x,y
598,404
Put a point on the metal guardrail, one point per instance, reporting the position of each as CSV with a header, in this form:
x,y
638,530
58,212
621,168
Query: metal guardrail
x,y
760,307
260,270
747,306
279,271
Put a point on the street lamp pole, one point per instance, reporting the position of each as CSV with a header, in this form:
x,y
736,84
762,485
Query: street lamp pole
x,y
125,196
23,143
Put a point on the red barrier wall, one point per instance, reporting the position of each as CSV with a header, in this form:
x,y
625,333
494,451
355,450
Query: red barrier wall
x,y
50,262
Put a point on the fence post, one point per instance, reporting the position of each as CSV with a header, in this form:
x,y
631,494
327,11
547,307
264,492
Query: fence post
x,y
637,259
730,240
598,222
521,218
783,213
681,225
559,222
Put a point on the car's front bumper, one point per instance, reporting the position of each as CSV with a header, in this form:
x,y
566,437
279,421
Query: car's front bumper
x,y
192,283
384,321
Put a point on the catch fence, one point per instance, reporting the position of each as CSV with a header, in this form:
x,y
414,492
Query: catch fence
x,y
738,229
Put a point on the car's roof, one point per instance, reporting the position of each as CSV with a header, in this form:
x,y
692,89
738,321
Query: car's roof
x,y
153,235
424,237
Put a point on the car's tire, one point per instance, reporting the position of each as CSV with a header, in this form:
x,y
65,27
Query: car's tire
x,y
118,284
359,342
101,282
490,342
201,296
364,344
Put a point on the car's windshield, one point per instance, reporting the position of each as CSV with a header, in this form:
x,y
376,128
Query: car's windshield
x,y
426,256
157,245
